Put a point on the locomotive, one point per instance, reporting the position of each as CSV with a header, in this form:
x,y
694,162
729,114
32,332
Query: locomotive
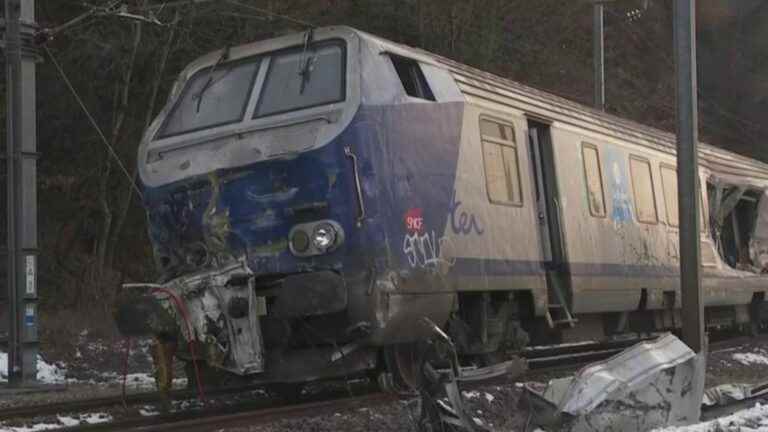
x,y
313,197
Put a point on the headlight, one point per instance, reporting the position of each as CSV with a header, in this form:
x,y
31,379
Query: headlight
x,y
324,236
315,238
300,241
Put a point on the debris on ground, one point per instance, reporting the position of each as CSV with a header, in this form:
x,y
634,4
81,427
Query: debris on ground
x,y
648,385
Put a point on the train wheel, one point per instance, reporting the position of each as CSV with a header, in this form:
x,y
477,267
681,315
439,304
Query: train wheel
x,y
403,362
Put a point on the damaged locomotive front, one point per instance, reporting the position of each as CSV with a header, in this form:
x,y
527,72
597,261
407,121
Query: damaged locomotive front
x,y
252,199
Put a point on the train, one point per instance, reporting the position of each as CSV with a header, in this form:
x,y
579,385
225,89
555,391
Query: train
x,y
312,199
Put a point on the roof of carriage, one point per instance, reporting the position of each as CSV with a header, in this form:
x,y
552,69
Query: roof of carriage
x,y
546,105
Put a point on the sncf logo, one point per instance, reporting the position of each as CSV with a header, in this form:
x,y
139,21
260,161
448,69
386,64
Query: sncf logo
x,y
414,221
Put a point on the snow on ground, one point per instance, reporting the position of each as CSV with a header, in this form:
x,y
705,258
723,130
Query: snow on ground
x,y
750,420
46,373
751,358
64,421
34,428
142,380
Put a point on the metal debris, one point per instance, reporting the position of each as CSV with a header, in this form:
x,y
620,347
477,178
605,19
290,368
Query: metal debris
x,y
649,385
442,407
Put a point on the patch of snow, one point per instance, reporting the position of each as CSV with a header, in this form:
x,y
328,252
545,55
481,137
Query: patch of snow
x,y
3,367
148,411
34,428
46,373
96,418
68,421
477,421
489,397
138,379
471,394
50,373
754,419
728,349
750,358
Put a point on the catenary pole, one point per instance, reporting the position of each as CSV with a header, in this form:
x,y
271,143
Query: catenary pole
x,y
688,174
21,159
598,53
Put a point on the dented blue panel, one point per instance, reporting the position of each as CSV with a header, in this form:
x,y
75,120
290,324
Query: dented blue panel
x,y
407,156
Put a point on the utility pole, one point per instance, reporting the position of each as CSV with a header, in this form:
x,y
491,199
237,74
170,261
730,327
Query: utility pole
x,y
688,174
598,52
21,175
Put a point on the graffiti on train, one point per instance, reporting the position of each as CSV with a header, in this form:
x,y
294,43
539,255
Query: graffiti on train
x,y
618,184
421,246
462,221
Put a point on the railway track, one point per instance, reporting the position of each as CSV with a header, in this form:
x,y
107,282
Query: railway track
x,y
263,409
234,415
240,413
74,406
572,355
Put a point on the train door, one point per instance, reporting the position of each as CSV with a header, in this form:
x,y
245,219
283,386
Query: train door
x,y
549,216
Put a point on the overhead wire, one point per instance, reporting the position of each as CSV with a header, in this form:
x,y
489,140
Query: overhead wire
x,y
93,122
271,13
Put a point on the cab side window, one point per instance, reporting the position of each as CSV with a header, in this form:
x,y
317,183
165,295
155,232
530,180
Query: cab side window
x,y
412,78
500,160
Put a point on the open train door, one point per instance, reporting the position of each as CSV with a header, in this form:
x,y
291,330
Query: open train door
x,y
549,215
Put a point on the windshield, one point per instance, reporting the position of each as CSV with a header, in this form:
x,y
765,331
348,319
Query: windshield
x,y
213,96
302,79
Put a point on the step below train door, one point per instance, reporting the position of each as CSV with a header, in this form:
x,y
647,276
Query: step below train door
x,y
549,216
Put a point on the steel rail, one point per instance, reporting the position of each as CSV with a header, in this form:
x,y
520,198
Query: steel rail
x,y
80,405
243,414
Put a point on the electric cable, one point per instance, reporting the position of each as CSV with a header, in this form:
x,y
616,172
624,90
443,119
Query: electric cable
x,y
93,121
190,343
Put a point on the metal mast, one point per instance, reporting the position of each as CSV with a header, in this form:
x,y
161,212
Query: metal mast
x,y
688,174
598,53
21,176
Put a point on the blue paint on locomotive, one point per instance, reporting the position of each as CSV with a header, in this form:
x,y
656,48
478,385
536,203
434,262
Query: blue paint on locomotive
x,y
407,156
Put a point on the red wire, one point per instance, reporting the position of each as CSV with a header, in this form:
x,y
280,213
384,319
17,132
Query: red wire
x,y
127,345
190,344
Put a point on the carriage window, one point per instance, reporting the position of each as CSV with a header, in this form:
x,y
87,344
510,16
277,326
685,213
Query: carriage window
x,y
299,79
502,173
213,96
669,184
642,185
594,180
412,78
